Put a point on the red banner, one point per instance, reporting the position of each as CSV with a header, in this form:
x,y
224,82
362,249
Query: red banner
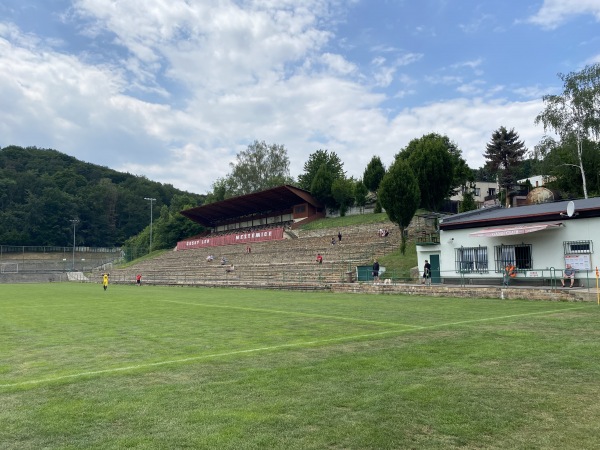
x,y
271,234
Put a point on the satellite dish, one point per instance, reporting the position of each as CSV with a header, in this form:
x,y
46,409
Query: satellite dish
x,y
570,209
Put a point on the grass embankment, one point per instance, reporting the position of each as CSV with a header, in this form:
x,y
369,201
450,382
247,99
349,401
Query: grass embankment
x,y
397,265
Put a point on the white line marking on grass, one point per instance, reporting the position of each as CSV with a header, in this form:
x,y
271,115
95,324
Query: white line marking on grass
x,y
297,313
264,349
196,358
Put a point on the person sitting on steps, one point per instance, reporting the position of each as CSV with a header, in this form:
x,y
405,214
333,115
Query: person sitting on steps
x,y
569,273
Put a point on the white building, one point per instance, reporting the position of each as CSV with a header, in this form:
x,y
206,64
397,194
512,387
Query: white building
x,y
484,193
538,239
537,180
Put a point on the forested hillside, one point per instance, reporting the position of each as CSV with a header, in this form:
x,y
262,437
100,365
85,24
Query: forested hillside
x,y
42,190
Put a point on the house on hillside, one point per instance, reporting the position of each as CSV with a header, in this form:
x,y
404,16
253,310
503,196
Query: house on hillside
x,y
485,193
538,239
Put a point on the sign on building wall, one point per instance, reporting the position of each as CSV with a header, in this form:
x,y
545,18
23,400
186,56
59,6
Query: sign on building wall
x,y
579,262
228,239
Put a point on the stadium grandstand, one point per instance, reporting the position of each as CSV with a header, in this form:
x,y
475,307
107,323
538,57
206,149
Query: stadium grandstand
x,y
254,240
256,217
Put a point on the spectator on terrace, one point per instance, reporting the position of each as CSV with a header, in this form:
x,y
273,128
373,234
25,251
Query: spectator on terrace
x,y
248,249
210,258
230,269
339,236
319,259
223,261
332,241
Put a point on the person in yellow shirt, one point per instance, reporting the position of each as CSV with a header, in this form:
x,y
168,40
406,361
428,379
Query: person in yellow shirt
x,y
105,281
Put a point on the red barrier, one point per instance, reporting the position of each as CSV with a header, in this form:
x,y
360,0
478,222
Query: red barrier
x,y
272,234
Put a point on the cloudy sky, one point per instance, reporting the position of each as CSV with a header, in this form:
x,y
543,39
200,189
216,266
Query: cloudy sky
x,y
174,89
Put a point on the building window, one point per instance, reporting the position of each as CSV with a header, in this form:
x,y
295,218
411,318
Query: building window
x,y
477,192
517,255
578,247
471,260
299,209
492,191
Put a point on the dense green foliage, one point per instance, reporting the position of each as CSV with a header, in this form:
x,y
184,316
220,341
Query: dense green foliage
x,y
342,191
360,194
562,165
261,166
42,190
399,194
504,153
439,167
333,166
373,174
468,202
575,114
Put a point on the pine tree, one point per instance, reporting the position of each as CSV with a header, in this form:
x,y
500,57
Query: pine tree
x,y
504,153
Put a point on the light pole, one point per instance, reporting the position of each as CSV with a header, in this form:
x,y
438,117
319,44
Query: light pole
x,y
150,200
74,222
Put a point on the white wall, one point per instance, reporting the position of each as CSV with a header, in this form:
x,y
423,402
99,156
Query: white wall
x,y
546,246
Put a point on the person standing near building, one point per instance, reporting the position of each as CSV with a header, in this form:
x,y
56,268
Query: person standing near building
x,y
426,274
105,281
375,271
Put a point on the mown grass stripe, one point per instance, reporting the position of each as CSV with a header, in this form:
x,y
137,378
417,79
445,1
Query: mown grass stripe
x,y
276,347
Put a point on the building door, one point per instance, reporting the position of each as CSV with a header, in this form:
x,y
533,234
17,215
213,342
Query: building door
x,y
434,260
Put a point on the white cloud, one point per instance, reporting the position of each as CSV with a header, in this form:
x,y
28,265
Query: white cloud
x,y
554,12
184,86
338,64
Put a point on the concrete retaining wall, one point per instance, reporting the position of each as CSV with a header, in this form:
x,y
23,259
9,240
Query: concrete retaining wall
x,y
458,291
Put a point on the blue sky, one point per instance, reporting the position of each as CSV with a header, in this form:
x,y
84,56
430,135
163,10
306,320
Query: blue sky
x,y
174,89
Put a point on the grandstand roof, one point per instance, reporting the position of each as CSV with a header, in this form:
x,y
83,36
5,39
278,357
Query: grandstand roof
x,y
271,200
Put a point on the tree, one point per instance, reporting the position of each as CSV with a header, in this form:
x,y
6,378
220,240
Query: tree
x,y
221,191
468,201
504,154
334,166
321,186
433,165
399,194
458,169
342,191
360,194
560,163
576,111
373,174
259,167
42,190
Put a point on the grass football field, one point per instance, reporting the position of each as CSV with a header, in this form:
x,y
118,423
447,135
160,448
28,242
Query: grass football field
x,y
167,368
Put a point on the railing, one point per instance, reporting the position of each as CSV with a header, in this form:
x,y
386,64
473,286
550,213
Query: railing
x,y
427,238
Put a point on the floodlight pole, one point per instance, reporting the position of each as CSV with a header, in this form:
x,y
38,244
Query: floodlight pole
x,y
74,222
150,200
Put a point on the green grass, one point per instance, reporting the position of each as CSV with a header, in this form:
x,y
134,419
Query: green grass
x,y
159,367
397,265
152,255
346,221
